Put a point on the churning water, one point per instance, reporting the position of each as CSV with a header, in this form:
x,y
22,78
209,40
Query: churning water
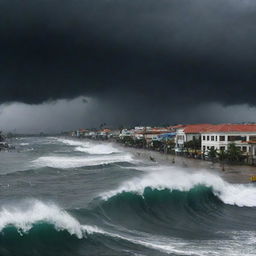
x,y
69,197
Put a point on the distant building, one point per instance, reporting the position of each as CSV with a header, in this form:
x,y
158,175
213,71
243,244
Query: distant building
x,y
220,136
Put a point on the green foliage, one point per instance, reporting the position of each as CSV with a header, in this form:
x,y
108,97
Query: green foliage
x,y
140,143
222,155
157,144
171,143
234,153
193,144
128,140
212,153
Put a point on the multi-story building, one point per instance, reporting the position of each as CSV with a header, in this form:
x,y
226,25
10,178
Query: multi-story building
x,y
220,136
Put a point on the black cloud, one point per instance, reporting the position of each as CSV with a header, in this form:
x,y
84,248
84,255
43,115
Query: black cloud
x,y
161,51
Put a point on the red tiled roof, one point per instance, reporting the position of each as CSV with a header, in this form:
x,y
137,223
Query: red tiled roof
x,y
196,128
83,130
232,128
105,130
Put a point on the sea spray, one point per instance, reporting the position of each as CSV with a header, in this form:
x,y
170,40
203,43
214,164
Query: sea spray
x,y
64,162
73,142
100,149
32,212
177,178
90,147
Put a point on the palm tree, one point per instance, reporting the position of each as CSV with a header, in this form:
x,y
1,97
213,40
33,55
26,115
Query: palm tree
x,y
234,153
222,157
212,153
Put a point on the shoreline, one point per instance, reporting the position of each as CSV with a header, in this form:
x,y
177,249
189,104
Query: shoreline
x,y
233,173
236,174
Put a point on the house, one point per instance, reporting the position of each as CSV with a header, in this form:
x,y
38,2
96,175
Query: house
x,y
220,136
126,133
150,133
188,133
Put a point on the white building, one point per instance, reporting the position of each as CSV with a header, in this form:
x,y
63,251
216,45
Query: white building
x,y
220,136
188,133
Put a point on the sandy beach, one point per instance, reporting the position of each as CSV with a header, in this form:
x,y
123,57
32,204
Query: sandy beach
x,y
233,173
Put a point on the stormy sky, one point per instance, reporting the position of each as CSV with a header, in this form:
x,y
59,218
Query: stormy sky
x,y
79,62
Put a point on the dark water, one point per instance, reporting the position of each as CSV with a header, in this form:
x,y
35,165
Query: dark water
x,y
66,197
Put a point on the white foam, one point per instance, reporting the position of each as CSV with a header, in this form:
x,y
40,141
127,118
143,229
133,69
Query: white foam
x,y
153,242
90,147
96,149
24,144
79,161
176,178
73,142
34,211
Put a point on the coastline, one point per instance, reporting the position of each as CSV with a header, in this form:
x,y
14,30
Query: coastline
x,y
233,173
236,174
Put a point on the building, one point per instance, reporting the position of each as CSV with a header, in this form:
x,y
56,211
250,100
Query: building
x,y
150,133
188,133
220,136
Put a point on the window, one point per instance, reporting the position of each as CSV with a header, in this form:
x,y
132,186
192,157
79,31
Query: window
x,y
212,138
253,138
208,147
216,138
212,147
203,148
203,137
208,137
222,138
235,138
222,148
244,149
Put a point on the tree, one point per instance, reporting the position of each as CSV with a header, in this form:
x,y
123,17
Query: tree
x,y
212,153
194,144
222,157
127,140
234,153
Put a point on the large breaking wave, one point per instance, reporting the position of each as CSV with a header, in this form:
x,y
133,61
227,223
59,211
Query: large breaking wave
x,y
36,225
176,179
30,213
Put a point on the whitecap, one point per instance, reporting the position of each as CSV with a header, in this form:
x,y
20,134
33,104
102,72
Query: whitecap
x,y
79,161
176,178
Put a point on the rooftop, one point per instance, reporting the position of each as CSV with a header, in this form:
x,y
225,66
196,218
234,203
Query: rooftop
x,y
232,128
196,128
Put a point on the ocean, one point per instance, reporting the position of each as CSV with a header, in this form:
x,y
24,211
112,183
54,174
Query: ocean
x,y
61,196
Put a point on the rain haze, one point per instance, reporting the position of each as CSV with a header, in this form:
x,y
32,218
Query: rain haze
x,y
135,62
127,127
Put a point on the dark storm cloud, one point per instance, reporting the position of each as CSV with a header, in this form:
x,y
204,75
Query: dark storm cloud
x,y
163,51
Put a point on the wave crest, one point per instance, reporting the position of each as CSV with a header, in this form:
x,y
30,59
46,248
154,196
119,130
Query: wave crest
x,y
101,149
33,212
172,179
65,162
